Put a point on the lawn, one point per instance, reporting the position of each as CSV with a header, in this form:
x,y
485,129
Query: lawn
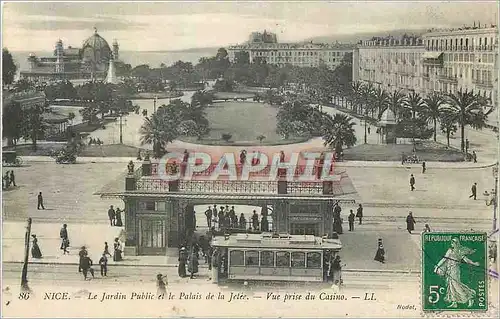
x,y
232,95
427,151
244,121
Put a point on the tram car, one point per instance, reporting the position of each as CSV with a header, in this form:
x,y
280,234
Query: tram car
x,y
273,257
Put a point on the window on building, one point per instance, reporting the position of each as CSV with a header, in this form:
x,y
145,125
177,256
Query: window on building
x,y
485,41
237,258
461,42
147,205
313,260
467,42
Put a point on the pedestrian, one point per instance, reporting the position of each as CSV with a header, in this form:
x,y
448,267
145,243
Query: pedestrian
x,y
255,220
410,222
359,213
427,228
87,267
117,254
337,270
106,249
161,285
118,217
40,201
380,255
194,219
12,178
181,270
103,262
193,263
242,221
7,179
208,214
35,250
111,215
474,157
423,167
81,254
412,182
63,234
215,217
351,221
474,191
369,129
403,157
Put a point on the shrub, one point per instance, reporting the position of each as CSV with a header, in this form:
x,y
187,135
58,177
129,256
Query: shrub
x,y
226,137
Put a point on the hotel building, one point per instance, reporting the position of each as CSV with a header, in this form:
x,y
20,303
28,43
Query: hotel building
x,y
264,46
441,60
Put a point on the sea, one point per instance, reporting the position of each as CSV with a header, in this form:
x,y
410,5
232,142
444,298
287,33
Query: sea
x,y
134,58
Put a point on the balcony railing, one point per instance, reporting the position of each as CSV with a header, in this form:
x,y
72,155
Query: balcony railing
x,y
432,62
265,172
484,84
157,185
448,79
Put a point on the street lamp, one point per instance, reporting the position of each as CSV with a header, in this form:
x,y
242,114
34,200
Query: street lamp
x,y
154,104
121,127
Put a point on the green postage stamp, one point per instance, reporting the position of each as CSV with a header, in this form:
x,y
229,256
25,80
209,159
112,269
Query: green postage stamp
x,y
454,275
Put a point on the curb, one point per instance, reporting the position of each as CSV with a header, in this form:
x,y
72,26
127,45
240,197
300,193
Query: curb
x,y
384,271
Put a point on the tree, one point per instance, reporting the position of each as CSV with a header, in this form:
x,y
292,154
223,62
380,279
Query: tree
x,y
355,95
414,104
395,103
33,126
226,137
261,137
465,108
448,125
380,101
162,128
12,120
9,67
432,109
339,132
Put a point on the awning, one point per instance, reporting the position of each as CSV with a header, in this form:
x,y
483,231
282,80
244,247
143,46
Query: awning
x,y
214,197
432,55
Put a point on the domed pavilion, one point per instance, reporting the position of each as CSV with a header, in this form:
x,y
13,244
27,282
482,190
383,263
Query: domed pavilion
x,y
91,61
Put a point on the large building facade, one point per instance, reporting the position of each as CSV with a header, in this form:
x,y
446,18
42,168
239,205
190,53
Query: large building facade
x,y
389,62
89,61
264,46
439,61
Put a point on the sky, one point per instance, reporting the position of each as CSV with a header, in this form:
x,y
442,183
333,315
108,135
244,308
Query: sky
x,y
167,26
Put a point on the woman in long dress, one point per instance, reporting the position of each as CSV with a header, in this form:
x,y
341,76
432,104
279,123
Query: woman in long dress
x,y
193,263
181,270
118,221
117,254
449,267
380,255
35,250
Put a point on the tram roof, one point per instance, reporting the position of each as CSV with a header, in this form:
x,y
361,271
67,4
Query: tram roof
x,y
282,241
227,196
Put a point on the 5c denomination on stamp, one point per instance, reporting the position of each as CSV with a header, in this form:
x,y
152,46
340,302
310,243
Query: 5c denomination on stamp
x,y
454,272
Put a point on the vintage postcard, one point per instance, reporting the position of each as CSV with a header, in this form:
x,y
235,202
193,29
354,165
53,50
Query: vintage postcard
x,y
304,159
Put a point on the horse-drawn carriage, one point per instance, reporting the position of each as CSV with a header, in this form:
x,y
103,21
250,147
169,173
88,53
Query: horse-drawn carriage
x,y
10,158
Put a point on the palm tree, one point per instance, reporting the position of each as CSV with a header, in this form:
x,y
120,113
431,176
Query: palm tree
x,y
414,103
432,109
161,129
355,95
338,131
395,103
448,124
380,101
466,109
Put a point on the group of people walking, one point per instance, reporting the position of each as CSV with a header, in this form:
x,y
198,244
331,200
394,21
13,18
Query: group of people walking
x,y
115,216
337,219
95,141
225,218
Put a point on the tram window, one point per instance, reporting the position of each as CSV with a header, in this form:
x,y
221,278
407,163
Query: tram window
x,y
267,258
298,260
237,258
282,259
252,258
313,260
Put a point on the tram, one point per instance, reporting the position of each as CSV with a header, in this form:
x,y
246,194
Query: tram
x,y
273,257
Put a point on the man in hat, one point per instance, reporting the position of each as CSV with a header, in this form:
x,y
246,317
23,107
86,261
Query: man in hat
x,y
412,182
111,215
183,257
81,254
103,262
410,223
474,191
40,201
63,234
359,213
87,267
208,214
351,220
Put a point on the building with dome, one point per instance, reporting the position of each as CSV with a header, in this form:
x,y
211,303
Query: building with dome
x,y
91,61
